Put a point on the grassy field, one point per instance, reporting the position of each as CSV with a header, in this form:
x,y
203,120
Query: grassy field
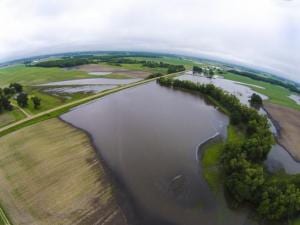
x,y
10,117
37,75
49,174
277,95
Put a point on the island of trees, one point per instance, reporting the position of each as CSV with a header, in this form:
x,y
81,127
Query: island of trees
x,y
274,197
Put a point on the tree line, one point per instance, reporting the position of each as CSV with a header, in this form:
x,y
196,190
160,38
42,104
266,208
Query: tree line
x,y
270,80
116,61
246,180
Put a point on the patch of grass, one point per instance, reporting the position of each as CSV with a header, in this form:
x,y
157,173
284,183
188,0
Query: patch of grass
x,y
276,94
234,135
50,175
37,75
211,156
210,163
211,159
8,117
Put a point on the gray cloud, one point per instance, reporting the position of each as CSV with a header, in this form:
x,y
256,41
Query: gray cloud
x,y
265,33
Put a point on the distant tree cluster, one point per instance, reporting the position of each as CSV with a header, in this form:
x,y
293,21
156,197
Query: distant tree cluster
x,y
6,93
15,90
207,72
68,62
154,75
246,180
197,69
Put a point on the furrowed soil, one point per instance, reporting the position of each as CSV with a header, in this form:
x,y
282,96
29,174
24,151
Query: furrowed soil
x,y
288,124
50,174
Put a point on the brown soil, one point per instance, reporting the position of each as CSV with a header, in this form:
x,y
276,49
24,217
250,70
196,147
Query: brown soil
x,y
103,68
288,122
50,175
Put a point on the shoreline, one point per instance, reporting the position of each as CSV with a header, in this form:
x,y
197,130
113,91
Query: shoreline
x,y
215,138
122,196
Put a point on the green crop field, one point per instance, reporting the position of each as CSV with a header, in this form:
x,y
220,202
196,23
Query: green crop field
x,y
37,75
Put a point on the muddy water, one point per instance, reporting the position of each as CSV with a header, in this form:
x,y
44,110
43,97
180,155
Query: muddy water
x,y
148,135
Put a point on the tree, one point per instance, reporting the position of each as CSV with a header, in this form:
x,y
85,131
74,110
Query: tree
x,y
5,103
18,87
22,99
256,100
8,91
36,102
197,69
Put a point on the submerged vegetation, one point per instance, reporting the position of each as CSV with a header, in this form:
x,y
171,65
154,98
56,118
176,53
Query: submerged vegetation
x,y
274,197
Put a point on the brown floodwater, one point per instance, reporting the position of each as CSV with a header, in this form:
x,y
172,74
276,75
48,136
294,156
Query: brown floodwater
x,y
149,137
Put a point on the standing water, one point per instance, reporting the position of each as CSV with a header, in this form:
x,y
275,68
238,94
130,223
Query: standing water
x,y
148,136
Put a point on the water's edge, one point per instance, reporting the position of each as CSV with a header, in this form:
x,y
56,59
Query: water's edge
x,y
122,196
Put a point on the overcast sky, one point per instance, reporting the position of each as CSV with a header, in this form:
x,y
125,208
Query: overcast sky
x,y
264,33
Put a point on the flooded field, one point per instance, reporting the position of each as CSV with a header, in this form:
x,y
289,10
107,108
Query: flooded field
x,y
92,81
77,89
149,136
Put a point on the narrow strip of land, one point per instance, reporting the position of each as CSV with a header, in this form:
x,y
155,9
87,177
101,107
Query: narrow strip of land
x,y
22,110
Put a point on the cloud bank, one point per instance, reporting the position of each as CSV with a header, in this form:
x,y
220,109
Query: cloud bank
x,y
263,33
